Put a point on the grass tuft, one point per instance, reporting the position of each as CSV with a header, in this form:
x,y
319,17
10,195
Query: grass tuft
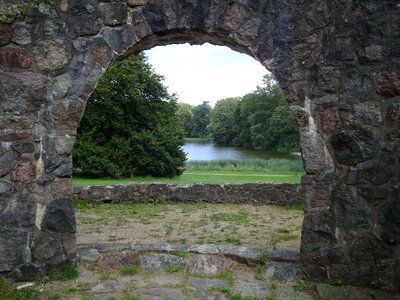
x,y
230,293
283,230
70,273
129,270
180,254
233,240
229,217
301,285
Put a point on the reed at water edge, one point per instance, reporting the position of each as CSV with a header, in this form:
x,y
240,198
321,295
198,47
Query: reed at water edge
x,y
247,165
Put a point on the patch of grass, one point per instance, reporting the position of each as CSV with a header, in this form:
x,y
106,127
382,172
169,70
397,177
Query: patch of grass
x,y
72,290
285,238
283,230
262,257
10,293
301,285
129,270
141,210
230,293
173,269
282,235
229,217
259,272
226,276
209,239
259,277
182,241
207,174
272,285
282,166
126,297
272,297
180,254
336,281
105,276
79,288
83,205
71,272
156,201
296,207
232,240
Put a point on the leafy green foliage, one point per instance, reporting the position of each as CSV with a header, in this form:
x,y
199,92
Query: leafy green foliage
x,y
10,12
185,114
200,120
260,120
283,129
130,127
195,120
223,123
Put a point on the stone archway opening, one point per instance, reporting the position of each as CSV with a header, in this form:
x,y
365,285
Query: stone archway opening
x,y
282,232
337,63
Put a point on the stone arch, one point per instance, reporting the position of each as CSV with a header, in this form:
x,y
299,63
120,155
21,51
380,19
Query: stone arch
x,y
337,62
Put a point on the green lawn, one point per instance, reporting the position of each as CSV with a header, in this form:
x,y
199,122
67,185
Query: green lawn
x,y
200,177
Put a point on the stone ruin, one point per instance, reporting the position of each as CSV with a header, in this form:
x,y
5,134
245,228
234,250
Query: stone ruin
x,y
338,63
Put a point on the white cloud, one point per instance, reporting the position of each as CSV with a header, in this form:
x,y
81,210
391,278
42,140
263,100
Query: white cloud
x,y
205,73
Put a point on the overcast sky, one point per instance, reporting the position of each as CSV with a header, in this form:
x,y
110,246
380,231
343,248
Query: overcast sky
x,y
205,73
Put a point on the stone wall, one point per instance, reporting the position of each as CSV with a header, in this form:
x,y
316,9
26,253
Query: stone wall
x,y
252,193
338,63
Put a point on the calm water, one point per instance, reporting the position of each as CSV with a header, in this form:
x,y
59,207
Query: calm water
x,y
209,151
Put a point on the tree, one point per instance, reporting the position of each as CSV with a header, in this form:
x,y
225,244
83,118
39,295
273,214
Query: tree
x,y
283,130
130,127
260,120
185,115
223,125
201,120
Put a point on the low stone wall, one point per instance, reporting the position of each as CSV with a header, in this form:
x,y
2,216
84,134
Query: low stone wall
x,y
252,193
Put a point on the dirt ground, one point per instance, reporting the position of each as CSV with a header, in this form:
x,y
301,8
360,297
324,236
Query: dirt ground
x,y
263,226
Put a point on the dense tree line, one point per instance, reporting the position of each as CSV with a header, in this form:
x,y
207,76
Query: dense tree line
x,y
195,120
130,126
260,120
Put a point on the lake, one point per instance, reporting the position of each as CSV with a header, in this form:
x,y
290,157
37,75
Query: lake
x,y
209,151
